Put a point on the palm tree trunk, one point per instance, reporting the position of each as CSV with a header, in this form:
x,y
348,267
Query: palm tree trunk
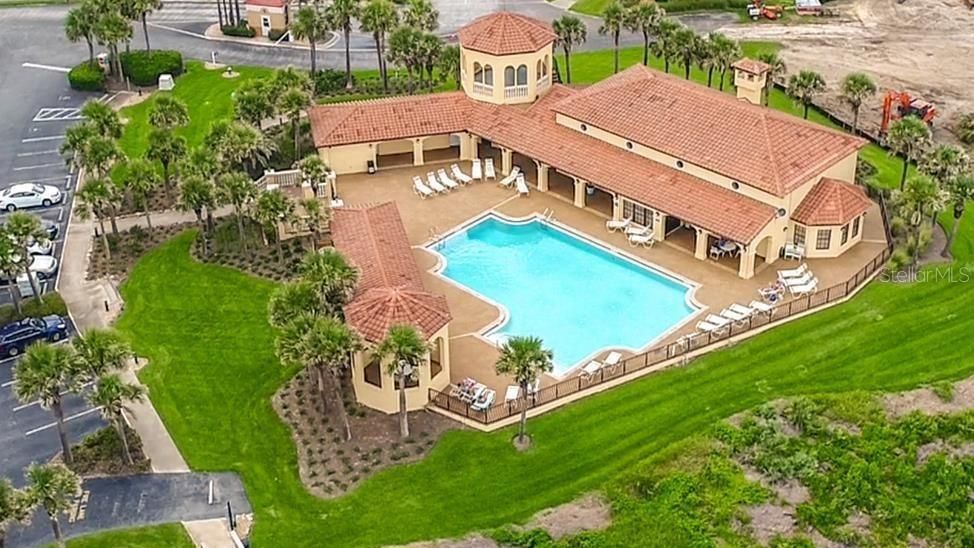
x,y
855,119
33,283
568,65
666,65
958,213
767,90
91,51
236,5
56,528
240,227
219,12
723,74
403,419
104,240
348,59
120,427
378,54
62,435
314,58
686,69
342,413
805,110
145,31
166,182
15,297
148,220
906,168
297,146
615,53
522,427
710,75
645,48
114,221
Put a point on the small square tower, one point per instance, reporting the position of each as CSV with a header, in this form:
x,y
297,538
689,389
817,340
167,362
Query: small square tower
x,y
750,77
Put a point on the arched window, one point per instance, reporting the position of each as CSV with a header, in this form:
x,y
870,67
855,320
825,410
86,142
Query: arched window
x,y
436,358
544,66
522,75
478,73
488,75
539,70
509,77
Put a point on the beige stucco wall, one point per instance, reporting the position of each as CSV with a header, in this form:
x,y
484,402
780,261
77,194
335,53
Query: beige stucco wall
x,y
749,86
500,63
277,16
395,147
436,142
386,398
836,247
348,158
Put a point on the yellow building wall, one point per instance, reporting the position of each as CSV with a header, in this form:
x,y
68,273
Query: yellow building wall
x,y
386,397
348,158
836,247
277,17
499,63
396,147
436,142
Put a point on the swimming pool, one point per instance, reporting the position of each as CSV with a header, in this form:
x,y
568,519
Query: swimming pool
x,y
578,296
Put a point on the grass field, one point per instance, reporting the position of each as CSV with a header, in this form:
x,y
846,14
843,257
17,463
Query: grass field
x,y
171,535
596,7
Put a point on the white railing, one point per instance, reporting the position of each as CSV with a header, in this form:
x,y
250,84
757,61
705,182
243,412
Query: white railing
x,y
544,81
515,91
482,89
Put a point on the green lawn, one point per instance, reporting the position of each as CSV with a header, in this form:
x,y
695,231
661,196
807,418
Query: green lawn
x,y
171,535
592,66
596,7
212,372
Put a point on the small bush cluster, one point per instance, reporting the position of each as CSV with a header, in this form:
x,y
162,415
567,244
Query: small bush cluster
x,y
965,128
329,81
87,77
143,68
275,34
674,6
242,30
32,308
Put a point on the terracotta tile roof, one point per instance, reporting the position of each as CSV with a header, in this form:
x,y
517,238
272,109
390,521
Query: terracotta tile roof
x,y
506,33
388,119
751,65
763,148
267,3
831,202
390,288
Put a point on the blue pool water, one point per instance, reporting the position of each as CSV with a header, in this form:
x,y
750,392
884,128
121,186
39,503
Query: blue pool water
x,y
577,296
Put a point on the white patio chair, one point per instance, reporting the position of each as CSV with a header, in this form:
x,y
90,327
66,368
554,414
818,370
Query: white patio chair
x,y
485,401
460,176
489,172
643,240
511,177
612,225
794,251
445,180
716,252
717,320
733,315
476,170
434,184
613,360
522,185
512,394
741,309
801,280
708,327
762,307
794,272
421,189
804,289
637,230
590,369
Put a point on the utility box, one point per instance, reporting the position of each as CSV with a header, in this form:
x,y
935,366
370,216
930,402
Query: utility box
x,y
166,82
102,59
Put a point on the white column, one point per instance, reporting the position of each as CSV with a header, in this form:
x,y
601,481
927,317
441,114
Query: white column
x,y
542,177
506,160
466,146
659,226
746,269
701,248
418,152
579,193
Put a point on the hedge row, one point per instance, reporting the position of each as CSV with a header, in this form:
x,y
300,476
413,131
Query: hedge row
x,y
87,77
242,30
675,6
144,67
53,304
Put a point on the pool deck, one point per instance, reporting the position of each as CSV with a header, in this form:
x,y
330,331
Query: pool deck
x,y
471,355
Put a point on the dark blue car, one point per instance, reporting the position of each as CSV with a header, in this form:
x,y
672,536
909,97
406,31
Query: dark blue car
x,y
17,336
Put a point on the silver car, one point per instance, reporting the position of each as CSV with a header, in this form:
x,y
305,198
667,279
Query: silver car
x,y
29,195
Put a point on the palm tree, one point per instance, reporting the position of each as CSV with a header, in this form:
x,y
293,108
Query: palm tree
x,y
168,112
406,350
93,201
920,197
663,47
526,360
80,24
644,18
310,24
856,88
100,154
102,118
291,300
197,194
15,508
707,56
53,487
804,86
113,395
448,63
404,50
340,14
144,8
252,102
237,190
379,17
960,192
75,143
686,45
166,148
909,137
613,21
430,51
420,15
247,147
331,276
776,67
323,344
11,264
273,208
24,229
725,52
292,104
111,30
290,78
314,171
141,179
314,217
944,163
100,351
571,32
200,162
45,373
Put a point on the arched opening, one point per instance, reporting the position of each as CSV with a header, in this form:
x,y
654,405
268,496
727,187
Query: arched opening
x,y
522,75
436,358
509,77
478,73
539,69
544,66
488,75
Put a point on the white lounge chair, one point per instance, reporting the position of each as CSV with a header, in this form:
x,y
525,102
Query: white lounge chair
x,y
421,189
717,320
794,251
710,327
512,394
460,176
794,272
434,184
489,172
474,393
476,170
522,185
613,225
590,369
645,240
801,280
511,177
741,309
445,180
612,360
762,307
637,230
733,315
804,289
484,402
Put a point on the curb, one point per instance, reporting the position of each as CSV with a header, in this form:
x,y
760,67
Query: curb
x,y
322,48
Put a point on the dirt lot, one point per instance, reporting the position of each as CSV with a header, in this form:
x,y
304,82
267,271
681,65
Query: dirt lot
x,y
922,46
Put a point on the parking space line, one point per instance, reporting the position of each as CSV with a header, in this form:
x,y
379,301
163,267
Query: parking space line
x,y
58,114
35,402
38,153
8,383
53,424
38,166
46,67
39,139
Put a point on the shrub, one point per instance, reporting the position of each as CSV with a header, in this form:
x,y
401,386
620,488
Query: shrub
x,y
53,304
144,67
87,77
329,81
275,34
965,128
241,30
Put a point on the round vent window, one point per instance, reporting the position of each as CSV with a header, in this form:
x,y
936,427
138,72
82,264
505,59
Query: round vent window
x,y
735,185
782,212
629,145
584,127
679,163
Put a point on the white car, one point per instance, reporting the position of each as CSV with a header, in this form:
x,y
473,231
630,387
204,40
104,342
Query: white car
x,y
43,266
29,195
40,247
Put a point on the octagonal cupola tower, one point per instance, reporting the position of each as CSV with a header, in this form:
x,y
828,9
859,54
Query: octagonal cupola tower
x,y
506,58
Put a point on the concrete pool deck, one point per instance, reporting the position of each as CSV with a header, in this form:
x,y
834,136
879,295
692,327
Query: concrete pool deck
x,y
471,356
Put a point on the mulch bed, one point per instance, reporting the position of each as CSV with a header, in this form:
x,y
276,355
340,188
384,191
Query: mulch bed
x,y
158,201
101,454
329,465
127,248
259,259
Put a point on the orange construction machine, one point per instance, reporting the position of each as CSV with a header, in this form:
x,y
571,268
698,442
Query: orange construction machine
x,y
898,104
758,9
